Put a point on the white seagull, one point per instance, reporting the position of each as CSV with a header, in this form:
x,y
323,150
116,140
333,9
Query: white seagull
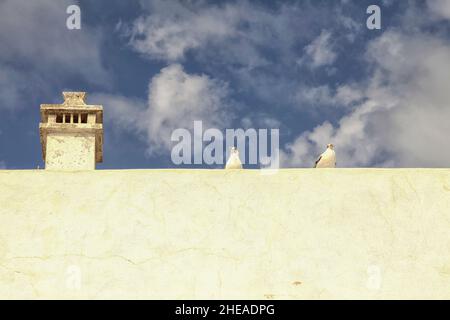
x,y
234,162
327,159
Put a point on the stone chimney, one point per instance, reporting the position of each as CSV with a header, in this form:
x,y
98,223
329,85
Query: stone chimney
x,y
71,133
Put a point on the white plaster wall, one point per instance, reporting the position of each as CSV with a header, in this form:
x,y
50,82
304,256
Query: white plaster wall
x,y
300,233
70,151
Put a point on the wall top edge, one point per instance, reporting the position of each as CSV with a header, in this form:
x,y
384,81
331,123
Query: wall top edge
x,y
242,172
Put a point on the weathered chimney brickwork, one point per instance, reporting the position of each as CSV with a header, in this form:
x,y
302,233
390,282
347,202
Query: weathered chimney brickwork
x,y
71,133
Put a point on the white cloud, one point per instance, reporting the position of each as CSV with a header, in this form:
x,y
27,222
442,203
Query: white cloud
x,y
254,46
404,119
320,51
441,8
124,112
348,94
314,96
322,96
35,32
176,99
168,30
38,50
237,32
260,121
172,28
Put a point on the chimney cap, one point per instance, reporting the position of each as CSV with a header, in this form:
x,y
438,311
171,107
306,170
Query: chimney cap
x,y
74,98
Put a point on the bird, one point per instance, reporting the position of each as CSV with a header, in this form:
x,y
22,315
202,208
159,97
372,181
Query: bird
x,y
327,159
234,162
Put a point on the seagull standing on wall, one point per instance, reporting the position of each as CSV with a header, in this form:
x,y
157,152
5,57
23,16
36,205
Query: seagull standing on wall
x,y
234,162
327,159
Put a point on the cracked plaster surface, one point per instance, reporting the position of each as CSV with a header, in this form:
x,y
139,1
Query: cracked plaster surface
x,y
194,234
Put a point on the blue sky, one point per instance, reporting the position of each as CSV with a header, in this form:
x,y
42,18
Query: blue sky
x,y
310,68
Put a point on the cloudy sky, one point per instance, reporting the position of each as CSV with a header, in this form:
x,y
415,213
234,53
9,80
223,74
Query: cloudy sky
x,y
310,68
